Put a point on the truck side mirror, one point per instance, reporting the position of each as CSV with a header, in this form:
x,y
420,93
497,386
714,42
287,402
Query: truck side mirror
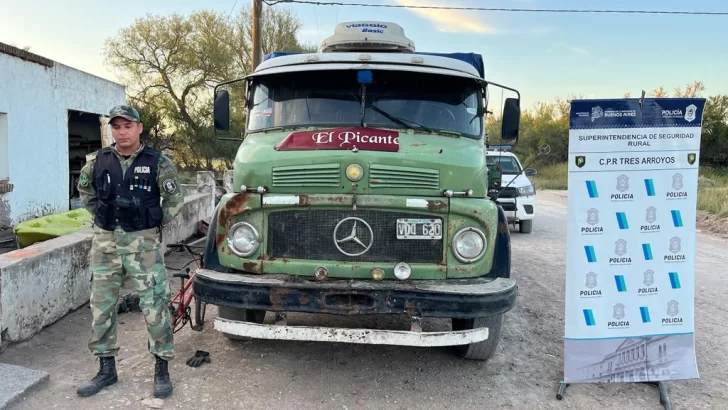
x,y
221,110
511,119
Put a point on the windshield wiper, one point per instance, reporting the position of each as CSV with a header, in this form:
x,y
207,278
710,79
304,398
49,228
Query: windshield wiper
x,y
400,121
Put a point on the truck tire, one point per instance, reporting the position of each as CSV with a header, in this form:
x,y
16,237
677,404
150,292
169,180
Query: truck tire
x,y
242,315
525,226
481,350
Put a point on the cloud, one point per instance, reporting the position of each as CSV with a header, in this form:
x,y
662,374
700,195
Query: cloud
x,y
452,21
573,49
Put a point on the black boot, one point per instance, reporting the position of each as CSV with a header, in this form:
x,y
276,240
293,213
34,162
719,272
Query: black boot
x,y
106,377
162,384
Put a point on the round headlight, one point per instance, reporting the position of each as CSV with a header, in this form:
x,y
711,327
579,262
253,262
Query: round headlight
x,y
243,239
354,172
468,244
402,270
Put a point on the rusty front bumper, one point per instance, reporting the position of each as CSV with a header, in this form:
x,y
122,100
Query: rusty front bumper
x,y
450,298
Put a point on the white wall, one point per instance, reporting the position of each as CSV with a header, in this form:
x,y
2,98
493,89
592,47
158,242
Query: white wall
x,y
36,99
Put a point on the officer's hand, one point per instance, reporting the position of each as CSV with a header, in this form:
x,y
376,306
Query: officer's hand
x,y
199,358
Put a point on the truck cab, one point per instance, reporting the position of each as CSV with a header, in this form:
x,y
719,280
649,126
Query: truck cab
x,y
361,188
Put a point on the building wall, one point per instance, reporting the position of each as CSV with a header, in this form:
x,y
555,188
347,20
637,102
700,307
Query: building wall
x,y
40,284
36,99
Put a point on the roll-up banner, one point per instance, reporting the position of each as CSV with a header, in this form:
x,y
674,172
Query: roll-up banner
x,y
632,198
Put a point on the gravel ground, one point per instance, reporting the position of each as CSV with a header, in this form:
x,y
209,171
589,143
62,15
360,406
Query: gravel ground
x,y
524,373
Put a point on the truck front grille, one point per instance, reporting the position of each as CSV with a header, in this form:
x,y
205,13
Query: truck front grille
x,y
390,176
325,175
309,234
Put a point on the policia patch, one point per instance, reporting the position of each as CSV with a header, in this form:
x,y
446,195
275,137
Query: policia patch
x,y
84,180
169,185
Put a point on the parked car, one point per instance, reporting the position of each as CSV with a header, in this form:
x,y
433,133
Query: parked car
x,y
517,194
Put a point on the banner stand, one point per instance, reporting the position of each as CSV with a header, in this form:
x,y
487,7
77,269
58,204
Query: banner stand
x,y
630,260
664,395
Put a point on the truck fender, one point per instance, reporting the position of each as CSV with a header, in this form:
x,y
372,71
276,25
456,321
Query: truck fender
x,y
502,253
210,259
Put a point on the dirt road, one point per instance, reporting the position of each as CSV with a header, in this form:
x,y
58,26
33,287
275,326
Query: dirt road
x,y
261,374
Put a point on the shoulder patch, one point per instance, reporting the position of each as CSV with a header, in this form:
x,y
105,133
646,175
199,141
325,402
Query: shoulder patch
x,y
84,180
169,185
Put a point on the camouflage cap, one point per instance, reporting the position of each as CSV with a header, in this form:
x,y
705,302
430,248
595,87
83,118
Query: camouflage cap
x,y
124,111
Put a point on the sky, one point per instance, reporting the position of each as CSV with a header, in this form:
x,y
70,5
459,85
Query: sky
x,y
543,55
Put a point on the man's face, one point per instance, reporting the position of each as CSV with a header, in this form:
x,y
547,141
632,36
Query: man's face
x,y
126,133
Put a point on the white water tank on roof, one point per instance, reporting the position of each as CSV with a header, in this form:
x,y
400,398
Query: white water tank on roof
x,y
368,36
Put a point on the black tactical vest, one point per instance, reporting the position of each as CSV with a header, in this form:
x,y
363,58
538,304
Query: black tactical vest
x,y
131,201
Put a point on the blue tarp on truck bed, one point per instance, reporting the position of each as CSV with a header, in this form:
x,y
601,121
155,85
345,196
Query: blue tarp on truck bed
x,y
476,60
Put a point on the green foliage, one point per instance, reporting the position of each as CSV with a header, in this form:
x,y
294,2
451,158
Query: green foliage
x,y
171,64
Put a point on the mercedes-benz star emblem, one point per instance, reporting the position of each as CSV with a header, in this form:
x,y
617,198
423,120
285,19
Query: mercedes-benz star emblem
x,y
344,234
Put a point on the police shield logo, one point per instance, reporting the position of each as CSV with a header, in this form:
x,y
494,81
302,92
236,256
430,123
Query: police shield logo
x,y
580,161
622,183
691,158
618,311
672,308
620,247
691,113
651,214
675,244
592,216
677,182
649,278
169,185
591,280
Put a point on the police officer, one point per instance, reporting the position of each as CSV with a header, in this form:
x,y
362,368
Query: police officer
x,y
132,190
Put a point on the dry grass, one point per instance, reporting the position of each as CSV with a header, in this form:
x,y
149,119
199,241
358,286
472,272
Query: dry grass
x,y
552,177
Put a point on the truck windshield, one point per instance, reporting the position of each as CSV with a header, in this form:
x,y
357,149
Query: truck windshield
x,y
509,165
395,99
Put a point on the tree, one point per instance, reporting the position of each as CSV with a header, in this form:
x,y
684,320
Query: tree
x,y
170,65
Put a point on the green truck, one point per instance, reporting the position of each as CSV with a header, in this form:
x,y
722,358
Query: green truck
x,y
361,188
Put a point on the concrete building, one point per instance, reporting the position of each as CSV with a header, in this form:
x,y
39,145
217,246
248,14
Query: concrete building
x,y
639,360
51,116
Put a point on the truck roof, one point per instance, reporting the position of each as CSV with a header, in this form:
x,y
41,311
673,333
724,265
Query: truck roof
x,y
470,63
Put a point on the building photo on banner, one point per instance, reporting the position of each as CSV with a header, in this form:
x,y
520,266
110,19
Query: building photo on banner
x,y
632,203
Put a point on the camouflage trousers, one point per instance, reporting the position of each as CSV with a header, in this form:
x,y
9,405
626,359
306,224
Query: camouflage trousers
x,y
149,276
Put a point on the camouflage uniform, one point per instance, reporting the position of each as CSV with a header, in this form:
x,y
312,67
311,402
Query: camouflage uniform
x,y
138,254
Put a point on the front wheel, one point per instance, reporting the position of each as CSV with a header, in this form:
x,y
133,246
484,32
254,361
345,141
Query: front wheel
x,y
481,350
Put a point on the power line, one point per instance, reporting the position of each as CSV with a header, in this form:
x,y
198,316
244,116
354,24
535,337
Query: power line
x,y
399,6
233,8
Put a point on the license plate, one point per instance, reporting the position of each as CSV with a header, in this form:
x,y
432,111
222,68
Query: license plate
x,y
419,229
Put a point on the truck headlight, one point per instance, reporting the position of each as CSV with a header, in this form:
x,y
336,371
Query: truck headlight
x,y
243,239
468,244
527,190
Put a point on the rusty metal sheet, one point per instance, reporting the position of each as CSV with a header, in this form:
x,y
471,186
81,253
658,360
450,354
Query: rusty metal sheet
x,y
450,286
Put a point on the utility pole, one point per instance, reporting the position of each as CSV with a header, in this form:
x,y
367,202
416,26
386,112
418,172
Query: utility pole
x,y
257,46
